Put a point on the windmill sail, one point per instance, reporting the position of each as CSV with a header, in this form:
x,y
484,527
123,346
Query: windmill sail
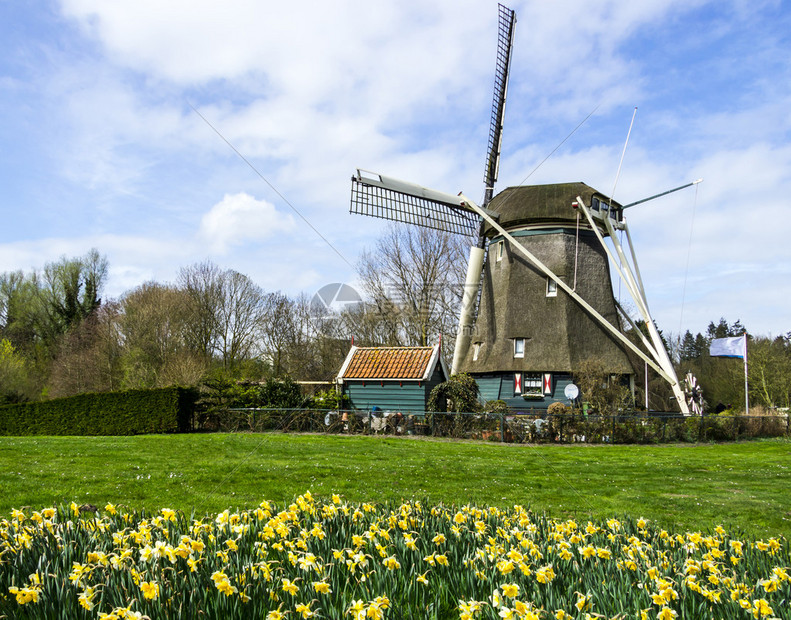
x,y
390,199
504,44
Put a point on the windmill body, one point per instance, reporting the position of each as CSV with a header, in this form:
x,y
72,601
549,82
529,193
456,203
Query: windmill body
x,y
528,337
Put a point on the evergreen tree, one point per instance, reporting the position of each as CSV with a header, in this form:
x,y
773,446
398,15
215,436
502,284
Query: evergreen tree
x,y
720,330
701,346
688,350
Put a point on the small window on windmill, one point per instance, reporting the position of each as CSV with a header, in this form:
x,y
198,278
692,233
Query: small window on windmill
x,y
519,347
533,384
552,287
500,250
476,349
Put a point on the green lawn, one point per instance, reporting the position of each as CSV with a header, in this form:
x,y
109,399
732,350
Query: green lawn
x,y
744,486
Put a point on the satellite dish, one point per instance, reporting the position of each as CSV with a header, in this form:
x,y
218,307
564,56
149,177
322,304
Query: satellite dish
x,y
571,391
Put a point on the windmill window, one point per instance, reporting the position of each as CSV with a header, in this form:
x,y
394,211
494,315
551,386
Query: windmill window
x,y
552,287
519,347
500,249
476,349
532,383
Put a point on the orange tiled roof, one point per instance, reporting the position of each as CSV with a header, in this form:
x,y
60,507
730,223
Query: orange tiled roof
x,y
389,363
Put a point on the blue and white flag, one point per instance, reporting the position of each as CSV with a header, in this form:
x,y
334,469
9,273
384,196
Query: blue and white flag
x,y
728,347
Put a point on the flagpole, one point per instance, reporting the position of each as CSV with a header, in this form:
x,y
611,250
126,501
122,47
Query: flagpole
x,y
746,394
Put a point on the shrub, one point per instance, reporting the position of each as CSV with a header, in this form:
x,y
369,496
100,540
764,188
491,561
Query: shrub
x,y
557,409
133,412
222,392
496,406
329,399
281,393
459,393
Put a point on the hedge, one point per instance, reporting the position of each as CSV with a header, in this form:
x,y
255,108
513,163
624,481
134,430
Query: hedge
x,y
133,412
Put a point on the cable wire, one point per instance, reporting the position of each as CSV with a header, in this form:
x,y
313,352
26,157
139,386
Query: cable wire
x,y
562,142
272,187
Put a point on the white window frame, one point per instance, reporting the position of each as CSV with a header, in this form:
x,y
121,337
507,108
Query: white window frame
x,y
533,383
552,287
476,349
519,347
500,250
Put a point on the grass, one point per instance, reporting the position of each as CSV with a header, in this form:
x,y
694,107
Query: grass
x,y
743,486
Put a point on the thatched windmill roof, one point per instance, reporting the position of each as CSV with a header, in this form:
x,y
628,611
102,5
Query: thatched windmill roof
x,y
536,204
558,333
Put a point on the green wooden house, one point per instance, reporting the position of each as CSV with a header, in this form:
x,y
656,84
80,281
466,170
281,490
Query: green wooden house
x,y
391,378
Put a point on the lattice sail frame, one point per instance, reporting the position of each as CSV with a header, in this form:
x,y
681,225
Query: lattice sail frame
x,y
505,40
377,196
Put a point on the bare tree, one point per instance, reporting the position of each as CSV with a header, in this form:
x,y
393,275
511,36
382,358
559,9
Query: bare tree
x,y
413,280
605,393
89,355
239,315
370,324
276,331
225,311
203,284
153,328
308,341
328,348
770,371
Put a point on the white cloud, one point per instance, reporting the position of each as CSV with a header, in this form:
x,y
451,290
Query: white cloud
x,y
239,219
194,42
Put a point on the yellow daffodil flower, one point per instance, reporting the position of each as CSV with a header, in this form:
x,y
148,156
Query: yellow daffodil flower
x,y
150,590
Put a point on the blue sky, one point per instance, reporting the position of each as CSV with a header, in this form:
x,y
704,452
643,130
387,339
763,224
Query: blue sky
x,y
99,146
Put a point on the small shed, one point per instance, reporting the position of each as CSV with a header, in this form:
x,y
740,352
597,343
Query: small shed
x,y
391,378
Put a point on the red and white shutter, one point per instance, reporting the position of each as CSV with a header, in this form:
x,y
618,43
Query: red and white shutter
x,y
518,383
547,383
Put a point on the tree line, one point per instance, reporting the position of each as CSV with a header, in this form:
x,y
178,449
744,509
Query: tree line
x,y
59,337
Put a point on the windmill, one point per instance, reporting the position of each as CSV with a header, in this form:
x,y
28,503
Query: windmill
x,y
538,297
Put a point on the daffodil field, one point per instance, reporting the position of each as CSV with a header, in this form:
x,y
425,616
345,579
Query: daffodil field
x,y
330,558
